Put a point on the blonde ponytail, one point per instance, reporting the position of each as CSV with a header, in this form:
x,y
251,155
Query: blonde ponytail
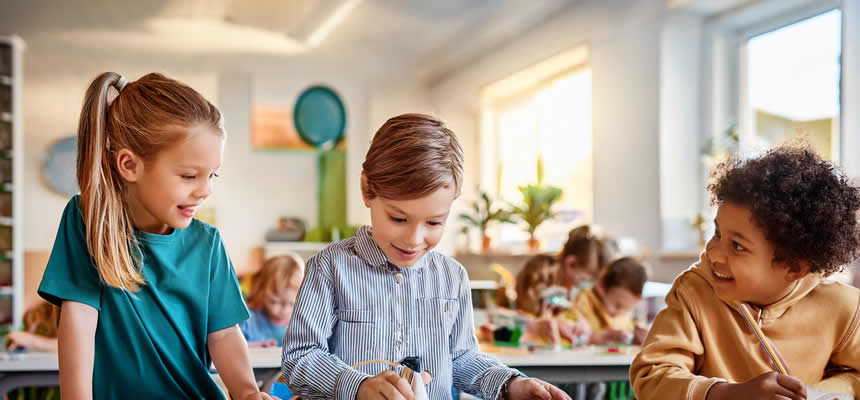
x,y
107,225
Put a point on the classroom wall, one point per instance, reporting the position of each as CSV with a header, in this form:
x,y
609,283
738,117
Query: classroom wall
x,y
851,87
680,137
623,37
257,186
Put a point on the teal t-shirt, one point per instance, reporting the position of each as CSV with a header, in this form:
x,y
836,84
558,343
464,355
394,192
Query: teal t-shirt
x,y
152,343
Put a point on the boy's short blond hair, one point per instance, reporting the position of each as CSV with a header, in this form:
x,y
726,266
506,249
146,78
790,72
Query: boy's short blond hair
x,y
411,156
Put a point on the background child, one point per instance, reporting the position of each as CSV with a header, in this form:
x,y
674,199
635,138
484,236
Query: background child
x,y
583,256
148,294
784,221
271,300
384,294
539,275
40,329
39,334
607,305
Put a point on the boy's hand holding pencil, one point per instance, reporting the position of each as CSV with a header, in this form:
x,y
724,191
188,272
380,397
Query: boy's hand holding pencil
x,y
768,386
771,385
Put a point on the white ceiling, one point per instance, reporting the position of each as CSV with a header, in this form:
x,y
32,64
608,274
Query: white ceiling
x,y
380,38
708,7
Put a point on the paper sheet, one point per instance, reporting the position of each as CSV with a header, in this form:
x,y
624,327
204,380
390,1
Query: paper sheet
x,y
420,390
812,394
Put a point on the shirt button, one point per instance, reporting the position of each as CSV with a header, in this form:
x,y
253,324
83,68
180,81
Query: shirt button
x,y
399,278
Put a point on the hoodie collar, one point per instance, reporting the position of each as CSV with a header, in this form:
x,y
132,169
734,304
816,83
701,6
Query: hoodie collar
x,y
770,312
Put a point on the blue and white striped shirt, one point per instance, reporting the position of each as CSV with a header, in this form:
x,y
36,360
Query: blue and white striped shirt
x,y
355,306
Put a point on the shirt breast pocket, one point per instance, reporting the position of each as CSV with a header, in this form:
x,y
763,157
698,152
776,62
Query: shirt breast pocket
x,y
438,316
354,339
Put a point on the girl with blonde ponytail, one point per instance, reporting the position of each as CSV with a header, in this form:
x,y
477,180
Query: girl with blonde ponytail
x,y
148,294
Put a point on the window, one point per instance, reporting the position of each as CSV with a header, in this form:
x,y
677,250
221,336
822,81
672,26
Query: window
x,y
790,85
548,118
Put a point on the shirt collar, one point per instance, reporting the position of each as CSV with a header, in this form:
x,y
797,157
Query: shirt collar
x,y
369,251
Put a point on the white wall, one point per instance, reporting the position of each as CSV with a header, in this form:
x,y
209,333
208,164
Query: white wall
x,y
680,134
851,87
623,37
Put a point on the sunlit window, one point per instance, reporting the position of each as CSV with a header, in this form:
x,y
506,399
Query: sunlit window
x,y
550,120
793,84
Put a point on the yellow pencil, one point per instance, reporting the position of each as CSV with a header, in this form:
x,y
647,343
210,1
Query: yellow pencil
x,y
745,311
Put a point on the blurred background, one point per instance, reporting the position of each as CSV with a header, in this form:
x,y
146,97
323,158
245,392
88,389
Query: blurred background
x,y
625,104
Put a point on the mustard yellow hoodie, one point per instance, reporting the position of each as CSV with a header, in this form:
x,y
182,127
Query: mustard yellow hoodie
x,y
699,339
589,306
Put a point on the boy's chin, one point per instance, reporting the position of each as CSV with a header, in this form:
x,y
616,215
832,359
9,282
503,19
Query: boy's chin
x,y
405,263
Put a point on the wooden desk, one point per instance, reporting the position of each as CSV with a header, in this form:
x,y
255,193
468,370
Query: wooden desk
x,y
590,364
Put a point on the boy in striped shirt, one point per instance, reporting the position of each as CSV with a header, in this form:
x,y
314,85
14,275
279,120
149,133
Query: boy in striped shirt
x,y
384,294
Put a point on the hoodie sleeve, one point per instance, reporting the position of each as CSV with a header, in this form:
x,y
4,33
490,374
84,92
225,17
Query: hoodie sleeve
x,y
663,369
846,356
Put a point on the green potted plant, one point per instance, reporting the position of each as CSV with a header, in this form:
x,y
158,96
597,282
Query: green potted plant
x,y
537,205
482,214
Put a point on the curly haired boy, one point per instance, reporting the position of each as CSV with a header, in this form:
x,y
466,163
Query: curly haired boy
x,y
785,221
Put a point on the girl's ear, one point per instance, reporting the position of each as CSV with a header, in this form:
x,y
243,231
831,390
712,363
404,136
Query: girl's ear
x,y
129,165
569,260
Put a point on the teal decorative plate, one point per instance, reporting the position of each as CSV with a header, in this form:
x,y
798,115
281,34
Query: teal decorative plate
x,y
60,166
319,116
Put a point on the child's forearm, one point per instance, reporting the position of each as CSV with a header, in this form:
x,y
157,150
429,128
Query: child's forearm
x,y
42,343
76,344
230,355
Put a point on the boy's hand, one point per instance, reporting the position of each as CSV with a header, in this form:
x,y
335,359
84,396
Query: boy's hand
x,y
607,336
387,385
581,328
531,388
769,386
548,329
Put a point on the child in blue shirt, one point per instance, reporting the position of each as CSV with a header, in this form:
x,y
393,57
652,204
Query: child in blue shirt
x,y
271,300
386,295
148,294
